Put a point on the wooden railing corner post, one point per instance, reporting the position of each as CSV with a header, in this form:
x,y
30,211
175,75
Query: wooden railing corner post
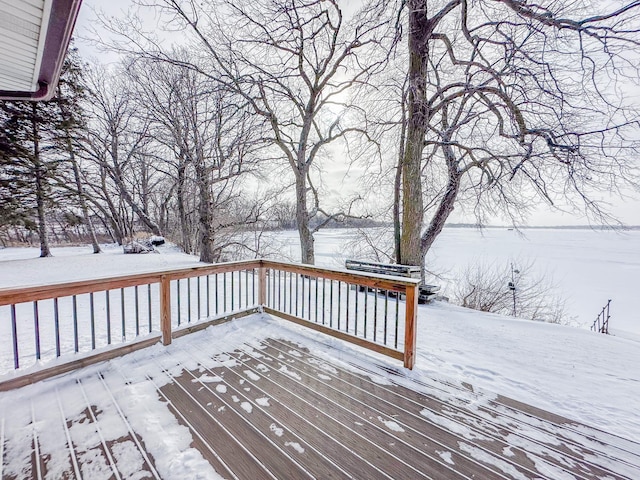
x,y
165,309
411,324
262,285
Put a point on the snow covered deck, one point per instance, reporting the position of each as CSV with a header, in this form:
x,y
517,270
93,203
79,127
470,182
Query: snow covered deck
x,y
258,398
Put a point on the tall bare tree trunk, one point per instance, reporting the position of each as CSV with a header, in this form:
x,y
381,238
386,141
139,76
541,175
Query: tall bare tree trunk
x,y
205,223
76,174
82,199
302,218
397,185
40,190
417,121
117,222
182,211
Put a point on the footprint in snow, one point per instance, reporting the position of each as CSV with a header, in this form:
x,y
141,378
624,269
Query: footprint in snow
x,y
276,429
252,375
295,445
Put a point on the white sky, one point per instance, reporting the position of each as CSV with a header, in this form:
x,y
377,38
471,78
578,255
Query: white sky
x,y
626,210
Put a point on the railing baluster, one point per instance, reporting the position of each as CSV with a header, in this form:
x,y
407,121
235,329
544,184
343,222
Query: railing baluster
x,y
284,290
188,299
199,310
375,314
386,312
246,288
74,302
178,300
316,280
208,297
279,291
149,302
397,318
36,326
355,327
275,291
266,287
348,294
366,302
56,325
339,301
302,308
92,321
124,327
297,295
331,304
309,299
290,291
137,311
216,281
232,292
108,317
253,285
224,292
14,334
239,289
324,297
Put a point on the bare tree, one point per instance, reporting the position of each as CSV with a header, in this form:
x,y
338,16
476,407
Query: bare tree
x,y
69,97
118,142
293,61
212,137
511,102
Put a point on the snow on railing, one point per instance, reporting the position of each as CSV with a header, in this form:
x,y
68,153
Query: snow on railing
x,y
85,322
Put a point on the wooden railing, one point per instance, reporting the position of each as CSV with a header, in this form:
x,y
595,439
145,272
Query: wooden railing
x,y
371,311
89,321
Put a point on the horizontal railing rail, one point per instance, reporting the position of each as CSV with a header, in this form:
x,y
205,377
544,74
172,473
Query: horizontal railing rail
x,y
93,320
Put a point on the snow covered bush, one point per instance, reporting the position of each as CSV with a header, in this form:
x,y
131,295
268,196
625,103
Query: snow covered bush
x,y
510,289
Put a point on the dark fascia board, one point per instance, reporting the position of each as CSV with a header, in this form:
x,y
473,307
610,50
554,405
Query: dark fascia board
x,y
61,22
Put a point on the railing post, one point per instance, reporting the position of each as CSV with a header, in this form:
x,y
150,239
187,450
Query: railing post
x,y
411,323
262,286
165,309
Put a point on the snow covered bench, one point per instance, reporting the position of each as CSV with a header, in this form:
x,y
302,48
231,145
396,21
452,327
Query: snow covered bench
x,y
410,271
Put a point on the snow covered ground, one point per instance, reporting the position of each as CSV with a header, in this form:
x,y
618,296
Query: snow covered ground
x,y
573,372
23,267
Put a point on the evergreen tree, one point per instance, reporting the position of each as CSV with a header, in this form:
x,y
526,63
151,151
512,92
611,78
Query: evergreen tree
x,y
27,164
14,207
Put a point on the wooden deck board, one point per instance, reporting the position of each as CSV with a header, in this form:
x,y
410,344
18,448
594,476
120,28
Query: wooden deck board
x,y
406,406
275,409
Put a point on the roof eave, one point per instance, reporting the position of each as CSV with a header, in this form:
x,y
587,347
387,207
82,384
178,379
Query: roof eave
x,y
61,22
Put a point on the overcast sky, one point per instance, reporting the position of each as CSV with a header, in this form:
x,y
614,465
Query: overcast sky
x,y
626,210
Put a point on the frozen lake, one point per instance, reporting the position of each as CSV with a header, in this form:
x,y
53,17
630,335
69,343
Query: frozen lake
x,y
589,267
